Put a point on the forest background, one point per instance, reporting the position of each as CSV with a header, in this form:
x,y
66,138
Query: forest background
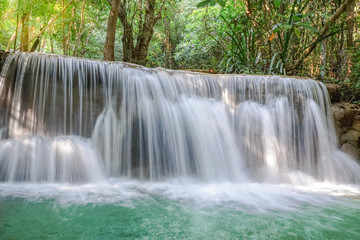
x,y
319,39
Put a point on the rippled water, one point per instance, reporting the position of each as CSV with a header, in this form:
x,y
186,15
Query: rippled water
x,y
179,209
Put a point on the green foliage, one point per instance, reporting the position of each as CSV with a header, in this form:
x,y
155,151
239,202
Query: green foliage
x,y
66,26
199,47
7,22
288,28
205,3
3,6
277,3
355,68
240,35
237,36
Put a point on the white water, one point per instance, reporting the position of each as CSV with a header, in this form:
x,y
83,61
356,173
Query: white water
x,y
72,120
256,197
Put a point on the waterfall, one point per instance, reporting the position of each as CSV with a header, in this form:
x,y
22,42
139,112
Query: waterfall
x,y
67,119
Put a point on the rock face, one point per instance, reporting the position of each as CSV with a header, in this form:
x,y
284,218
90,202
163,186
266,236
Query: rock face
x,y
3,55
347,124
334,92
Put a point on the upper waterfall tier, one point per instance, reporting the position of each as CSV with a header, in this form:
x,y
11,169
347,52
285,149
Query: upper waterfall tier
x,y
127,120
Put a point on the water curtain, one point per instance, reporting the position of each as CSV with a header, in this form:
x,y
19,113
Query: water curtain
x,y
67,119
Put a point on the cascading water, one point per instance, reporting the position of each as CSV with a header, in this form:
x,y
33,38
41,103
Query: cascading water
x,y
63,115
155,153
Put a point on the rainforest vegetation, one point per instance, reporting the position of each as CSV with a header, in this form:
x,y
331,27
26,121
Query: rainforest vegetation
x,y
313,38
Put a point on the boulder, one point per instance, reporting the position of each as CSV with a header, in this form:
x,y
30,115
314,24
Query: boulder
x,y
350,136
351,150
347,125
356,123
334,92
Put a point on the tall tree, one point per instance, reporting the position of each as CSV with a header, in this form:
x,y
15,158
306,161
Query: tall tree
x,y
138,19
24,39
109,48
80,30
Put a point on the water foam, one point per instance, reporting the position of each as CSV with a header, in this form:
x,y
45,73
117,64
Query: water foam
x,y
249,196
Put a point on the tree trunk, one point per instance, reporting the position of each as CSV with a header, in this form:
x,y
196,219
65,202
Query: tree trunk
x,y
36,44
86,43
17,30
323,56
350,37
14,36
138,53
350,25
51,45
68,37
26,43
340,56
24,39
63,29
168,46
43,44
144,38
323,59
111,31
128,38
80,32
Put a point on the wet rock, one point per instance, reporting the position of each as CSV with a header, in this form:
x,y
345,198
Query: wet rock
x,y
338,112
350,136
350,150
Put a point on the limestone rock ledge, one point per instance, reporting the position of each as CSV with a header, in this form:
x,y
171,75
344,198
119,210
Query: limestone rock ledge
x,y
347,125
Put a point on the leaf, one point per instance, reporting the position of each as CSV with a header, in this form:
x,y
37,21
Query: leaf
x,y
203,3
298,17
307,25
272,63
278,64
297,32
222,3
286,26
312,29
280,15
277,3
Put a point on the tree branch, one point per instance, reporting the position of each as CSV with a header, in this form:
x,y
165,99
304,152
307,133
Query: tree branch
x,y
158,15
322,33
51,22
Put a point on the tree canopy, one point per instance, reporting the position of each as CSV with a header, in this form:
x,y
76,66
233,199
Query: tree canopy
x,y
318,39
